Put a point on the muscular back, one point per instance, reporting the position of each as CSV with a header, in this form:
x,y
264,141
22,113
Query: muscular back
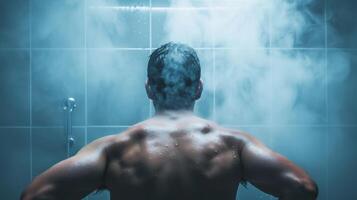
x,y
174,158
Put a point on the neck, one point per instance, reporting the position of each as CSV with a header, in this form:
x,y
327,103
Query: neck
x,y
187,109
173,112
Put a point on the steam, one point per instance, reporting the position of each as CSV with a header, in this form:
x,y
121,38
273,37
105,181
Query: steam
x,y
260,78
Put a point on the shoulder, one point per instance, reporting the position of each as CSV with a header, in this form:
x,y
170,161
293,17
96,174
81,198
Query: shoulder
x,y
121,137
114,144
237,138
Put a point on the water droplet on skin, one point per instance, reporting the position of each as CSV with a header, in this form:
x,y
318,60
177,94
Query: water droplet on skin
x,y
234,155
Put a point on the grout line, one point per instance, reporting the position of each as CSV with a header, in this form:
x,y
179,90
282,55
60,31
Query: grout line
x,y
327,160
270,30
15,127
164,8
326,98
213,27
95,48
30,86
198,48
39,127
14,49
214,84
326,74
85,79
109,126
293,125
75,49
150,25
28,127
150,45
230,125
85,75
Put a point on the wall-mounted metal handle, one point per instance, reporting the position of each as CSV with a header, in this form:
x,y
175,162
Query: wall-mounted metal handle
x,y
69,106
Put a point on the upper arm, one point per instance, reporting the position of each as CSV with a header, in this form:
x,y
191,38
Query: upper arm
x,y
274,174
74,177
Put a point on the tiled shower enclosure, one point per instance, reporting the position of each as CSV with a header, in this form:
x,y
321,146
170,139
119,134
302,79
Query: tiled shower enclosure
x,y
282,70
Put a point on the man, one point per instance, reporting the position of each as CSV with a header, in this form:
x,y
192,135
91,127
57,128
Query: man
x,y
173,155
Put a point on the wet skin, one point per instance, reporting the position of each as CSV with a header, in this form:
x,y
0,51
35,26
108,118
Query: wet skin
x,y
173,156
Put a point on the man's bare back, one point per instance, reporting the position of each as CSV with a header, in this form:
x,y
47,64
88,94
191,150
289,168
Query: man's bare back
x,y
176,156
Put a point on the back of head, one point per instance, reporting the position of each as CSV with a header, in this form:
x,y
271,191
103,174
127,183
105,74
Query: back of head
x,y
174,75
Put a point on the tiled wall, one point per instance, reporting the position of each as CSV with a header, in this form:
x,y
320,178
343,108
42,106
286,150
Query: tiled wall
x,y
51,49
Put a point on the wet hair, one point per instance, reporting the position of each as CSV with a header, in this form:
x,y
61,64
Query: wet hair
x,y
174,73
